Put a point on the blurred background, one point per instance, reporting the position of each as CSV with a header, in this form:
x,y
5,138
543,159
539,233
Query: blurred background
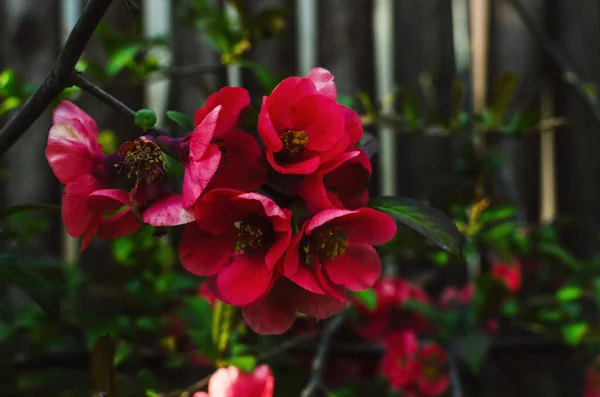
x,y
486,109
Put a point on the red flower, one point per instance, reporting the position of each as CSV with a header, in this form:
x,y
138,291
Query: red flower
x,y
592,376
509,274
204,291
340,183
303,126
215,154
236,241
454,296
75,156
399,363
231,382
431,379
275,312
334,251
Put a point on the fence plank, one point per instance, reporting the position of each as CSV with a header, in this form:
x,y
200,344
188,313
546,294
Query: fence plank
x,y
577,29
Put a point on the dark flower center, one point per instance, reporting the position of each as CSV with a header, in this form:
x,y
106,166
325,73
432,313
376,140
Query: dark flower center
x,y
328,242
294,143
403,362
142,160
251,237
431,372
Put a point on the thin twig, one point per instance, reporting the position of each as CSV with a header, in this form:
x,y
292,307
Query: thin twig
x,y
559,58
58,78
78,80
318,364
187,392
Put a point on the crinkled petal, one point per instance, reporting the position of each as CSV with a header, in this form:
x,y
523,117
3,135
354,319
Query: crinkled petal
x,y
357,269
118,225
267,132
367,225
198,173
322,119
300,168
323,81
284,97
68,111
242,166
70,151
202,135
233,100
169,211
76,214
242,281
204,254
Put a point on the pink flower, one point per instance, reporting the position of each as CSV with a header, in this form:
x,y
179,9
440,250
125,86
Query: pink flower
x,y
236,241
303,126
334,251
509,274
231,382
217,154
275,312
431,379
340,183
452,295
399,363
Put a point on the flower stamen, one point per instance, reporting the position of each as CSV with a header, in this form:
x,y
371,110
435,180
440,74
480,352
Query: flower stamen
x,y
250,237
142,160
294,142
328,243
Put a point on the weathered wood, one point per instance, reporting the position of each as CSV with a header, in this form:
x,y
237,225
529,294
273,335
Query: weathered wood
x,y
30,44
576,29
513,49
424,46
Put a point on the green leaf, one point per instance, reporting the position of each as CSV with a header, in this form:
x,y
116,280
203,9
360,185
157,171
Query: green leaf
x,y
182,119
573,333
560,254
145,119
568,293
245,363
472,349
121,58
366,297
425,220
12,271
102,365
124,350
345,392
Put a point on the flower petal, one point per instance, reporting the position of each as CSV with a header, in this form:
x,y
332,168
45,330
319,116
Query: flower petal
x,y
266,131
68,111
106,200
300,168
202,135
317,305
367,225
76,214
119,225
326,216
353,123
204,254
198,173
169,211
233,101
292,260
357,269
242,281
70,151
242,166
336,291
91,230
274,314
284,97
323,81
322,119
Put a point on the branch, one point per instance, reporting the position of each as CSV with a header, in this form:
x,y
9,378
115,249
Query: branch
x,y
78,80
58,78
559,58
318,365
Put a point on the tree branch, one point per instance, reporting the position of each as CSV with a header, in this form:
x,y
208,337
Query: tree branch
x,y
318,364
78,80
559,58
58,78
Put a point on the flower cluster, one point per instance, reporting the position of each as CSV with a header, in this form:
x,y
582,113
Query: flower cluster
x,y
269,255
